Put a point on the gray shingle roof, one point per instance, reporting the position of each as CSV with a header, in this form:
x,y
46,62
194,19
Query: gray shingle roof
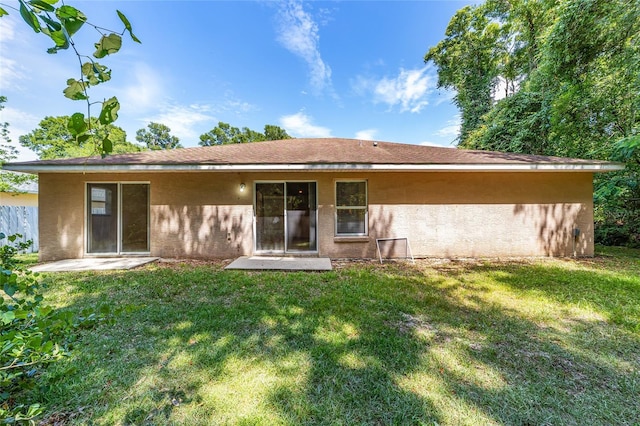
x,y
309,152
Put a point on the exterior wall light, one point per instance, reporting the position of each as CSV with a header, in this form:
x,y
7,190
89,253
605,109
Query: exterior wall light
x,y
242,187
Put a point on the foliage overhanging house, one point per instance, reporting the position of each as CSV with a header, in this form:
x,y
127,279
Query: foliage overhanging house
x,y
319,197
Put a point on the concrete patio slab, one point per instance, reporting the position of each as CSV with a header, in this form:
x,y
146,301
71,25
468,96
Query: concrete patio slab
x,y
281,263
93,264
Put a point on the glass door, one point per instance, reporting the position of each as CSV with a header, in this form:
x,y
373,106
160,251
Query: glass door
x,y
135,218
270,217
285,217
301,216
117,218
103,217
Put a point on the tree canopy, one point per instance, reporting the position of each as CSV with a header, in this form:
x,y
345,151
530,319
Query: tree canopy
x,y
224,134
553,78
53,139
157,136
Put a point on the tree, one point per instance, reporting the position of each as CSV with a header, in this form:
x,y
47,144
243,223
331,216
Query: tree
x,y
9,181
574,68
487,53
52,139
275,133
157,136
466,60
224,134
60,24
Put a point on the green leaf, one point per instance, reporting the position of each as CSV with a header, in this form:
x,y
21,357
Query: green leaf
x,y
95,73
77,125
80,140
35,341
72,19
3,12
47,347
60,39
53,25
75,90
41,5
127,26
43,311
9,289
107,147
34,410
108,45
21,314
109,112
7,317
29,17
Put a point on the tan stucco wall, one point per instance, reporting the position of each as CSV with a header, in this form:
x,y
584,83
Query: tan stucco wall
x,y
18,199
443,214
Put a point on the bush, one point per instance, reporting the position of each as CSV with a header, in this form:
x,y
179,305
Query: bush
x,y
32,334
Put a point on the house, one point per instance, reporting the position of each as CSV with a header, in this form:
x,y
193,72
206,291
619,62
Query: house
x,y
315,197
19,214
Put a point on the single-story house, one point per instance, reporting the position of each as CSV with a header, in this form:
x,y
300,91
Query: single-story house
x,y
315,197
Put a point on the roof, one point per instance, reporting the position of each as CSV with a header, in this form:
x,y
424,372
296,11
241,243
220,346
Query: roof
x,y
328,154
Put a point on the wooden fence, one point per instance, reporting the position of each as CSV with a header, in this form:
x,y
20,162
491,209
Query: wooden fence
x,y
20,220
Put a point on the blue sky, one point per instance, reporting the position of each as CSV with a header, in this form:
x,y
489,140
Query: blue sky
x,y
349,69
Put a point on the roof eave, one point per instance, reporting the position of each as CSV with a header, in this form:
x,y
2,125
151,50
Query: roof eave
x,y
341,167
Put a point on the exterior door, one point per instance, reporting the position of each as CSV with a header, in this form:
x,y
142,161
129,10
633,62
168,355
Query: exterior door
x,y
117,218
286,217
269,217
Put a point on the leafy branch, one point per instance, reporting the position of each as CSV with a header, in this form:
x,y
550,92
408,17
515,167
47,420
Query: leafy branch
x,y
60,24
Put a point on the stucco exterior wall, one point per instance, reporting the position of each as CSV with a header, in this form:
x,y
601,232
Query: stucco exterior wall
x,y
18,199
205,215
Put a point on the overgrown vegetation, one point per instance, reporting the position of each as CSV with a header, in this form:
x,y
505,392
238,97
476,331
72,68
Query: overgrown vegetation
x,y
32,335
477,342
553,78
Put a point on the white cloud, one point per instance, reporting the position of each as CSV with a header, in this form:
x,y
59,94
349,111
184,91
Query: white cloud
x,y
427,143
144,90
20,123
300,125
9,71
234,105
24,62
367,134
452,129
7,29
298,33
182,120
409,89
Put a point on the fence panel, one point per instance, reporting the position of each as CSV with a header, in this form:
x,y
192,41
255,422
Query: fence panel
x,y
20,220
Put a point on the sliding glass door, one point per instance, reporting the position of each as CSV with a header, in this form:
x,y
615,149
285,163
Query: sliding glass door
x,y
117,218
269,217
286,217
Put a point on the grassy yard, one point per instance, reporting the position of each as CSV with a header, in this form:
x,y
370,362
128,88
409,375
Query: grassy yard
x,y
525,343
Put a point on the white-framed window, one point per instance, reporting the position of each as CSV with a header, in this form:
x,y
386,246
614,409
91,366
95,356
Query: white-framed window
x,y
351,207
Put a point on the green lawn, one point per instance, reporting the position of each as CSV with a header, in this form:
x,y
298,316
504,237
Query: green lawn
x,y
526,343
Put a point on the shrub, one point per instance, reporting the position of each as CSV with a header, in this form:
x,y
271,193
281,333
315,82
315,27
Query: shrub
x,y
32,334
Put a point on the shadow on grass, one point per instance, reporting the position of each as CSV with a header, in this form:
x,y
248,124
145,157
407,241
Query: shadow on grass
x,y
365,345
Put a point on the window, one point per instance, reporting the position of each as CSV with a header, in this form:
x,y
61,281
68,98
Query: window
x,y
351,207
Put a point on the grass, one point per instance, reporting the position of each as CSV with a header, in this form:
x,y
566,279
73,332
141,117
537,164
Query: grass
x,y
528,342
